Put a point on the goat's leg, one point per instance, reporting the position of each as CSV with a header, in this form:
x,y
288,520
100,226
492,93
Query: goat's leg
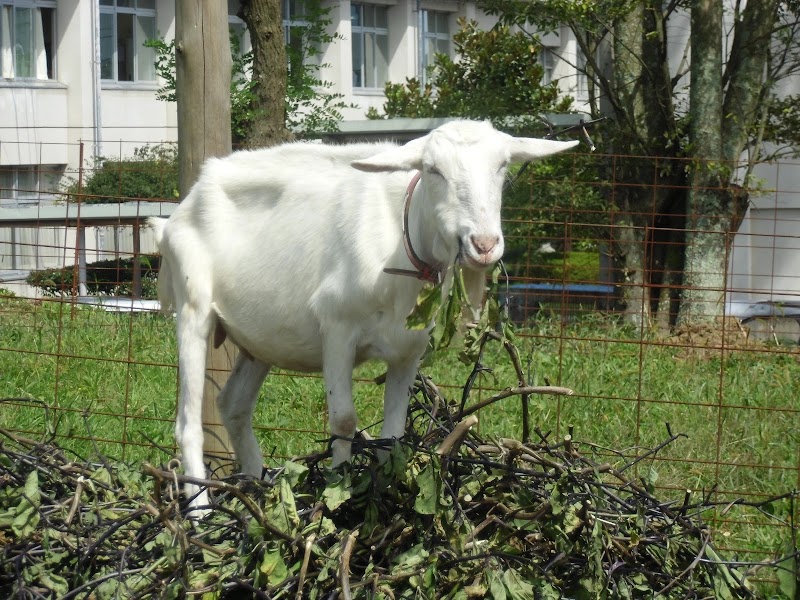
x,y
194,326
338,357
399,385
236,401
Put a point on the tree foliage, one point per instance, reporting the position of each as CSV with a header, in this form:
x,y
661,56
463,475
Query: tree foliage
x,y
112,277
497,75
310,106
626,48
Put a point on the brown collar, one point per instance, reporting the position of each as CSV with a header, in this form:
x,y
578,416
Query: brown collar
x,y
424,271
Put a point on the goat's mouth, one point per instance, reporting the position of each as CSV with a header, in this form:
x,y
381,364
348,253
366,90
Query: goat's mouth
x,y
478,263
479,258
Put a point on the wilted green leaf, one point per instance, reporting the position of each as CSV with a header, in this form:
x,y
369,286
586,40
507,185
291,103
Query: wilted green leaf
x,y
518,588
274,567
411,558
337,492
789,575
546,591
428,303
41,574
166,546
651,478
496,586
102,475
26,514
572,519
724,575
281,511
294,472
429,483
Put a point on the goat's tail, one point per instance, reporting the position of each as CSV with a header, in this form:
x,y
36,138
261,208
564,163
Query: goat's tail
x,y
166,295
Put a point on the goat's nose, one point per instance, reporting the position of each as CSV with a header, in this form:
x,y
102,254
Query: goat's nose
x,y
484,244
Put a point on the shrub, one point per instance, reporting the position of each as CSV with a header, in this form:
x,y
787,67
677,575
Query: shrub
x,y
106,277
498,75
152,173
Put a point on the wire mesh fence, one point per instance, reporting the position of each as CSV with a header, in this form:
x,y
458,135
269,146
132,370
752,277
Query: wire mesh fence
x,y
594,282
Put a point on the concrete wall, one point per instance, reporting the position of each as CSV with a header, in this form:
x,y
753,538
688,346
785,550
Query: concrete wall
x,y
765,255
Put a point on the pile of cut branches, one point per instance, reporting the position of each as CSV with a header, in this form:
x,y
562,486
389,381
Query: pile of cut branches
x,y
449,514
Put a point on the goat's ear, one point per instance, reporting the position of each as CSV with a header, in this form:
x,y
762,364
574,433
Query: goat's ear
x,y
402,158
524,149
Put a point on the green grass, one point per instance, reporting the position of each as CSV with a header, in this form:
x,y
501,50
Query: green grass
x,y
105,384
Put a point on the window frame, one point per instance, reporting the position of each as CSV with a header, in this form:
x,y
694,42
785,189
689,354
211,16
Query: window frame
x,y
581,78
111,7
8,57
294,32
237,27
20,197
547,58
375,32
436,36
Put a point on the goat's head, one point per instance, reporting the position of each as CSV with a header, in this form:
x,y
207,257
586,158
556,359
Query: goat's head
x,y
463,165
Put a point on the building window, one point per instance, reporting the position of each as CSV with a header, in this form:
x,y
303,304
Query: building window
x,y
125,25
582,91
548,60
237,28
28,184
294,30
370,41
295,24
27,31
435,35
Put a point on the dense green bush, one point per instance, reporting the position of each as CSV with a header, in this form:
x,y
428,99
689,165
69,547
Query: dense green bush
x,y
497,75
152,173
106,277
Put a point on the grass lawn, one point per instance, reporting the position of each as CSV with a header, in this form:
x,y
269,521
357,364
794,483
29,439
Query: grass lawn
x,y
105,385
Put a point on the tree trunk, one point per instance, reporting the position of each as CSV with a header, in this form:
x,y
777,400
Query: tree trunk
x,y
202,88
644,108
745,75
631,245
265,23
706,261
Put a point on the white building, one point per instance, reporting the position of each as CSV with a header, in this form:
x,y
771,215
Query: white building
x,y
76,70
75,77
76,83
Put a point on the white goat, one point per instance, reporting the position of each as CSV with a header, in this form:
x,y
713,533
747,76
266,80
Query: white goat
x,y
286,251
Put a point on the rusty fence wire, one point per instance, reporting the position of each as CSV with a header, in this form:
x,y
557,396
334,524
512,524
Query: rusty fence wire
x,y
603,282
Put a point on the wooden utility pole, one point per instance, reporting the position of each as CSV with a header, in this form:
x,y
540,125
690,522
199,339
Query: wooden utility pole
x,y
202,87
